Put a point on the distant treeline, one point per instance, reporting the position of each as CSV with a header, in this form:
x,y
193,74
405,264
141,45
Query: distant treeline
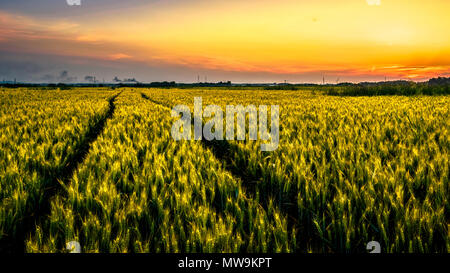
x,y
435,86
438,86
164,84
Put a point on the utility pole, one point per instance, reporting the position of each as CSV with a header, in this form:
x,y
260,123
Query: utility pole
x,y
198,78
323,80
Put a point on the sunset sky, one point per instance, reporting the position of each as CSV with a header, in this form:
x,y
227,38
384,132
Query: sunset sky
x,y
237,40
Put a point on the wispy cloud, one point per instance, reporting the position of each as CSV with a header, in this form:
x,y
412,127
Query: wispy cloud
x,y
119,56
25,34
14,26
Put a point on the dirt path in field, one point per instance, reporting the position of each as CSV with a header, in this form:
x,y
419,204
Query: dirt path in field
x,y
223,151
39,211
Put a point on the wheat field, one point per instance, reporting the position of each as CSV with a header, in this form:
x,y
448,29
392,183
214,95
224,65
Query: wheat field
x,y
99,166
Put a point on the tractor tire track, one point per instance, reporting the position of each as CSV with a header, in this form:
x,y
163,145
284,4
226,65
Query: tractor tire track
x,y
224,151
38,211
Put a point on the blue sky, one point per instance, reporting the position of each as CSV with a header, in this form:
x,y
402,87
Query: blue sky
x,y
59,8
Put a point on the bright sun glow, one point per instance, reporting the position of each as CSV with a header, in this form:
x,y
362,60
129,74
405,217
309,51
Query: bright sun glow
x,y
374,2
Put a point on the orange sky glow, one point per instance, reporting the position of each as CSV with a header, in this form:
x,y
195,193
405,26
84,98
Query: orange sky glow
x,y
347,40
